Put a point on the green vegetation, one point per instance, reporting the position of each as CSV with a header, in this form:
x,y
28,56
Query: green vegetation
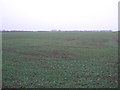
x,y
60,60
0,60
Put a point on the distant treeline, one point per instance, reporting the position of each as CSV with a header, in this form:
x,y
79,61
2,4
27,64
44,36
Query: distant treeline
x,y
61,31
24,31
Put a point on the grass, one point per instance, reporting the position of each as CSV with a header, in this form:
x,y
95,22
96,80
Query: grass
x,y
60,60
0,60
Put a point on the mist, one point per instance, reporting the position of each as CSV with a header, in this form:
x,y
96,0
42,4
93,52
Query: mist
x,y
47,15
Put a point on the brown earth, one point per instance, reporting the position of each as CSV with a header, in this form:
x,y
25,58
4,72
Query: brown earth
x,y
44,54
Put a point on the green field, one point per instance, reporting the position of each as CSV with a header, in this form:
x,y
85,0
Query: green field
x,y
60,59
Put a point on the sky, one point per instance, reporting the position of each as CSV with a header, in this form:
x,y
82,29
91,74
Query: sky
x,y
59,14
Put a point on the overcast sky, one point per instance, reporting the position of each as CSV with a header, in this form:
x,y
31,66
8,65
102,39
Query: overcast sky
x,y
59,14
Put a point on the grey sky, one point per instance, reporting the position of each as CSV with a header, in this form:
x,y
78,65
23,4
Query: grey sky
x,y
59,14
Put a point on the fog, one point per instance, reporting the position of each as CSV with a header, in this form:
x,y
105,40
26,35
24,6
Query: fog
x,y
59,14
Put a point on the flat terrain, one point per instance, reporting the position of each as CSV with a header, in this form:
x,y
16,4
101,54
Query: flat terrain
x,y
60,59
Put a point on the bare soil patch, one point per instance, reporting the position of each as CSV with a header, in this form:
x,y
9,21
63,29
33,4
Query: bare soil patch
x,y
99,46
60,54
32,47
44,54
112,78
72,39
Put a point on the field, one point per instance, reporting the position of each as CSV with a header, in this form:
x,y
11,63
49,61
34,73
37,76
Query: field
x,y
60,59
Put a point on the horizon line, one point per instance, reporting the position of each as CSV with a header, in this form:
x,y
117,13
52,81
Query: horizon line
x,y
61,30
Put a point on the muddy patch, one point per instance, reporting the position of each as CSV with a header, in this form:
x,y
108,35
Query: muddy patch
x,y
33,54
44,54
72,47
112,63
99,46
89,46
102,40
26,53
9,50
32,47
112,78
60,54
56,54
118,41
73,39
69,40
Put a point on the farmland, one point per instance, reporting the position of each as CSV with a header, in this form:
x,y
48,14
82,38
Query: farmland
x,y
60,60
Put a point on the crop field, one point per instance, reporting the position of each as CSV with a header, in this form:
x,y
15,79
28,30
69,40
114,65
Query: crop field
x,y
60,59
